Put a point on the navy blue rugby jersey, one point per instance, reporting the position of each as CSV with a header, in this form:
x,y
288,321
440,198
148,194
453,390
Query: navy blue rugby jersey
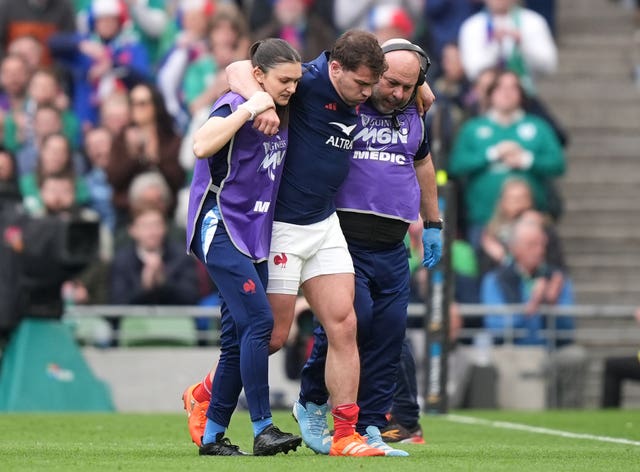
x,y
321,129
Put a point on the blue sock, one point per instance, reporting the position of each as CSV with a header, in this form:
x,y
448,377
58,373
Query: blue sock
x,y
260,425
211,430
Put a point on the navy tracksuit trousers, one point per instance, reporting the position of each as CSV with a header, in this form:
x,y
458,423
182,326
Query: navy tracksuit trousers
x,y
246,323
381,299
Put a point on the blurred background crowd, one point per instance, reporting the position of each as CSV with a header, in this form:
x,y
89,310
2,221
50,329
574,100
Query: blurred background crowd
x,y
99,99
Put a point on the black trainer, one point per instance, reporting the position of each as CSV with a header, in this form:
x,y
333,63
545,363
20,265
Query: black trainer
x,y
272,441
222,447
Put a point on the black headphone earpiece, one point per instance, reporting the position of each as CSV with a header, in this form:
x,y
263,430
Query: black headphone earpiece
x,y
425,62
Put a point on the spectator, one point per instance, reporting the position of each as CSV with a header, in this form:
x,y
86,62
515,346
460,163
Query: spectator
x,y
443,18
14,80
526,279
150,21
57,190
97,147
448,112
516,202
148,143
91,286
348,14
509,36
205,78
505,142
477,99
189,45
55,260
260,13
30,49
616,371
46,120
106,59
555,254
228,38
477,103
44,90
515,198
55,158
152,269
115,113
151,189
37,18
290,20
389,22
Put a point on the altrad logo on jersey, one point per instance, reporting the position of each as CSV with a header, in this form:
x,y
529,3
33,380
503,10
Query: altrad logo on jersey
x,y
338,141
344,128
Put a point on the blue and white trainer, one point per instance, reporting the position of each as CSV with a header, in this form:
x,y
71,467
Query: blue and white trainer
x,y
314,429
375,440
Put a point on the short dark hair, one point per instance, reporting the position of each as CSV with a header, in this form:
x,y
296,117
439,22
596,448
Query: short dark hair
x,y
270,52
356,48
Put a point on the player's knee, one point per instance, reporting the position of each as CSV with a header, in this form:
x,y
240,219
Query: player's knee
x,y
343,329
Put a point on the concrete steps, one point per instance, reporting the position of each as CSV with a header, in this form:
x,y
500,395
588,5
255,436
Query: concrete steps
x,y
593,95
596,90
595,146
622,116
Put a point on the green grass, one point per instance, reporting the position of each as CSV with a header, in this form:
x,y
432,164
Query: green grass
x,y
160,442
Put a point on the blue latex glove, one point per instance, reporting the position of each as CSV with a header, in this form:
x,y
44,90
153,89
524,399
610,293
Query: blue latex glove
x,y
432,244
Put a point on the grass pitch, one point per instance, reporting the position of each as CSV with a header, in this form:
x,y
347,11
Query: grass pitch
x,y
473,441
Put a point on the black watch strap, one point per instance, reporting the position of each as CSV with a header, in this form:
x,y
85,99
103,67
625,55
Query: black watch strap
x,y
434,224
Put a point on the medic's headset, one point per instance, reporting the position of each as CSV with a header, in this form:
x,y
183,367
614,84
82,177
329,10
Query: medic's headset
x,y
425,62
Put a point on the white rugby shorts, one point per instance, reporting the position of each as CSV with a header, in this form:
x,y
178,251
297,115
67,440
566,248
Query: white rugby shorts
x,y
301,252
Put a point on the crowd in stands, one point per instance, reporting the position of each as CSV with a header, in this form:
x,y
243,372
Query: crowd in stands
x,y
99,99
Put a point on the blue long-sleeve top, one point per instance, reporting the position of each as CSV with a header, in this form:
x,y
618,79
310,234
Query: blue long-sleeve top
x,y
506,285
131,65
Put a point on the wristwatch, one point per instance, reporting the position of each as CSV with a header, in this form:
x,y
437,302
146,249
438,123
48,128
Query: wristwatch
x,y
439,224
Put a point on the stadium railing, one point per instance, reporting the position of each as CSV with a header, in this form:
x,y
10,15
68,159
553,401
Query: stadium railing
x,y
605,325
416,313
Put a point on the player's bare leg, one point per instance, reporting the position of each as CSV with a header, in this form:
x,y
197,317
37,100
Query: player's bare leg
x,y
331,300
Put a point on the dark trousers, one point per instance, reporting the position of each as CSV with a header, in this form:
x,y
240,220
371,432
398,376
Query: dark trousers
x,y
616,370
246,324
381,299
406,410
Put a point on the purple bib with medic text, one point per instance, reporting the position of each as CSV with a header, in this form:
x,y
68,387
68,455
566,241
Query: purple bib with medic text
x,y
382,179
247,194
